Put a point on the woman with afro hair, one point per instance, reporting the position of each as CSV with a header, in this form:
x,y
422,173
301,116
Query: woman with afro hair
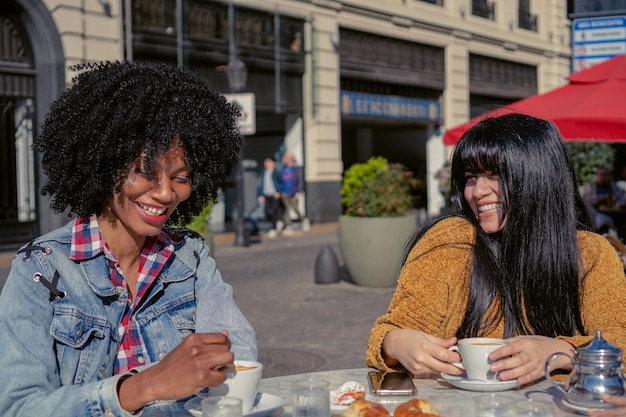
x,y
119,308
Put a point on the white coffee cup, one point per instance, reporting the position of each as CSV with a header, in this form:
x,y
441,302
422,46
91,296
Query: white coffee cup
x,y
475,353
241,382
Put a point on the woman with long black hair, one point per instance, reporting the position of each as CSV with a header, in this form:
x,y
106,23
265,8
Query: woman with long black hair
x,y
514,259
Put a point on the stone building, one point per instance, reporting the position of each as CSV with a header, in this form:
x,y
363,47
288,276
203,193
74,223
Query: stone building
x,y
335,81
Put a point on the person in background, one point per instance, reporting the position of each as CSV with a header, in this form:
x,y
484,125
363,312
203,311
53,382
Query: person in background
x,y
292,183
603,191
119,309
620,181
269,193
443,177
514,259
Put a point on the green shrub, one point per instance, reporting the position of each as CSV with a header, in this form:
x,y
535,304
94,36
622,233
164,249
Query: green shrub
x,y
377,188
585,157
198,223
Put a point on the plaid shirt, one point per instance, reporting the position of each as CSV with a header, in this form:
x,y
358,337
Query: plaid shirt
x,y
87,243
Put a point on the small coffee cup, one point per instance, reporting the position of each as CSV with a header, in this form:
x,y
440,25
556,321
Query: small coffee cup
x,y
474,353
241,382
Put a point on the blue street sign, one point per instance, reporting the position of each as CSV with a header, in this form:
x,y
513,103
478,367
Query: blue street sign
x,y
597,39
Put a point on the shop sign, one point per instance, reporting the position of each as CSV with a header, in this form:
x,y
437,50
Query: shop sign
x,y
245,102
389,107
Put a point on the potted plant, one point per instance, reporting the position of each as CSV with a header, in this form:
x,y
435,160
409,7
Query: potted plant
x,y
377,196
585,157
200,225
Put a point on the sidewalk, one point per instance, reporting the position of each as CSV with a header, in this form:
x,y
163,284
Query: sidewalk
x,y
301,326
6,258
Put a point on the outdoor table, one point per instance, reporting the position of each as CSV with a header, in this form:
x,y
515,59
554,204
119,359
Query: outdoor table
x,y
451,401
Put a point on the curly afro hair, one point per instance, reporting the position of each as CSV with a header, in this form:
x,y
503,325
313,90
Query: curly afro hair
x,y
117,112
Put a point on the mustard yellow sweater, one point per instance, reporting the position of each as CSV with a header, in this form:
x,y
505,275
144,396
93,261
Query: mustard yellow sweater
x,y
433,288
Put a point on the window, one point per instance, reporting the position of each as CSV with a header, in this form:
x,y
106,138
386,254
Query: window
x,y
525,19
484,8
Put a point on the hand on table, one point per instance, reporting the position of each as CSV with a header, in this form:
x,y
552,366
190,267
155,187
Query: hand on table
x,y
524,358
611,412
191,366
420,352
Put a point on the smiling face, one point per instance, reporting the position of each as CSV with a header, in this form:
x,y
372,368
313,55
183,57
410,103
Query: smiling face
x,y
482,193
148,197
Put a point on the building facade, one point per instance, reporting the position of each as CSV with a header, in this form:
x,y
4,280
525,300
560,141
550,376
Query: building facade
x,y
335,81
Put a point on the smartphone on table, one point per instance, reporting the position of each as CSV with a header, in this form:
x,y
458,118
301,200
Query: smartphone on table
x,y
391,383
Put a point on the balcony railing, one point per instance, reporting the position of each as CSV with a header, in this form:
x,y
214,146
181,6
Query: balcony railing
x,y
208,21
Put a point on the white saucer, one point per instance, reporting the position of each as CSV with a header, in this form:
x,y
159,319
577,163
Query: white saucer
x,y
472,385
337,407
265,405
580,409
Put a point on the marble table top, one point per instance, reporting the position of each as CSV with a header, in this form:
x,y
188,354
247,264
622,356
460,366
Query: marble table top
x,y
451,401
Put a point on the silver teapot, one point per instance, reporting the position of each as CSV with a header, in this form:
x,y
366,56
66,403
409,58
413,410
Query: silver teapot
x,y
597,369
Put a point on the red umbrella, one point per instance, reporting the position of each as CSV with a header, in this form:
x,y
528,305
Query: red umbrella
x,y
591,107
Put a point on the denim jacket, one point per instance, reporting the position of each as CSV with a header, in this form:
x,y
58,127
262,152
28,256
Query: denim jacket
x,y
58,352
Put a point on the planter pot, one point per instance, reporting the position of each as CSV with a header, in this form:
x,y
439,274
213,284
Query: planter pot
x,y
208,237
372,247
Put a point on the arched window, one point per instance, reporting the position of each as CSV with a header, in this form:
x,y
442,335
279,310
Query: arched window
x,y
17,117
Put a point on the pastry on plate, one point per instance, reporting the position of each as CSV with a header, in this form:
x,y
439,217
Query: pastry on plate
x,y
364,408
415,408
348,393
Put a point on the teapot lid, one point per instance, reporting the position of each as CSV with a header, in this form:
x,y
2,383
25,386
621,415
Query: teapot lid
x,y
599,349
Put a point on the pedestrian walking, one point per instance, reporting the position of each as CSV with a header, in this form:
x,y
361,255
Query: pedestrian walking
x,y
292,185
269,193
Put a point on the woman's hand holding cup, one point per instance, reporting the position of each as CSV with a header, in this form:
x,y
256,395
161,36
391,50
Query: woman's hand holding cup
x,y
475,360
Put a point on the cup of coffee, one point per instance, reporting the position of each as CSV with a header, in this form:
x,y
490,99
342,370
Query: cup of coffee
x,y
474,353
242,382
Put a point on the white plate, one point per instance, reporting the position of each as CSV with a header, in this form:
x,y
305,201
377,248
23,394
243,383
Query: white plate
x,y
472,385
265,405
337,407
580,409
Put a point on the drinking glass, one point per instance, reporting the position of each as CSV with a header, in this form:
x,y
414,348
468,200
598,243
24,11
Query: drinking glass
x,y
311,398
534,407
493,405
222,407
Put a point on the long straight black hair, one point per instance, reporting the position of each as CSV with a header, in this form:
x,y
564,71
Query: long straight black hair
x,y
532,265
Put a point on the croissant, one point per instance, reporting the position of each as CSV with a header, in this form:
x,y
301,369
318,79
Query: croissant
x,y
415,408
364,408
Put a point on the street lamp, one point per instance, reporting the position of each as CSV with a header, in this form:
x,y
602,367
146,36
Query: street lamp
x,y
237,74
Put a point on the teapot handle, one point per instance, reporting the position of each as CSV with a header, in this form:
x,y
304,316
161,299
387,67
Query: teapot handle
x,y
559,385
